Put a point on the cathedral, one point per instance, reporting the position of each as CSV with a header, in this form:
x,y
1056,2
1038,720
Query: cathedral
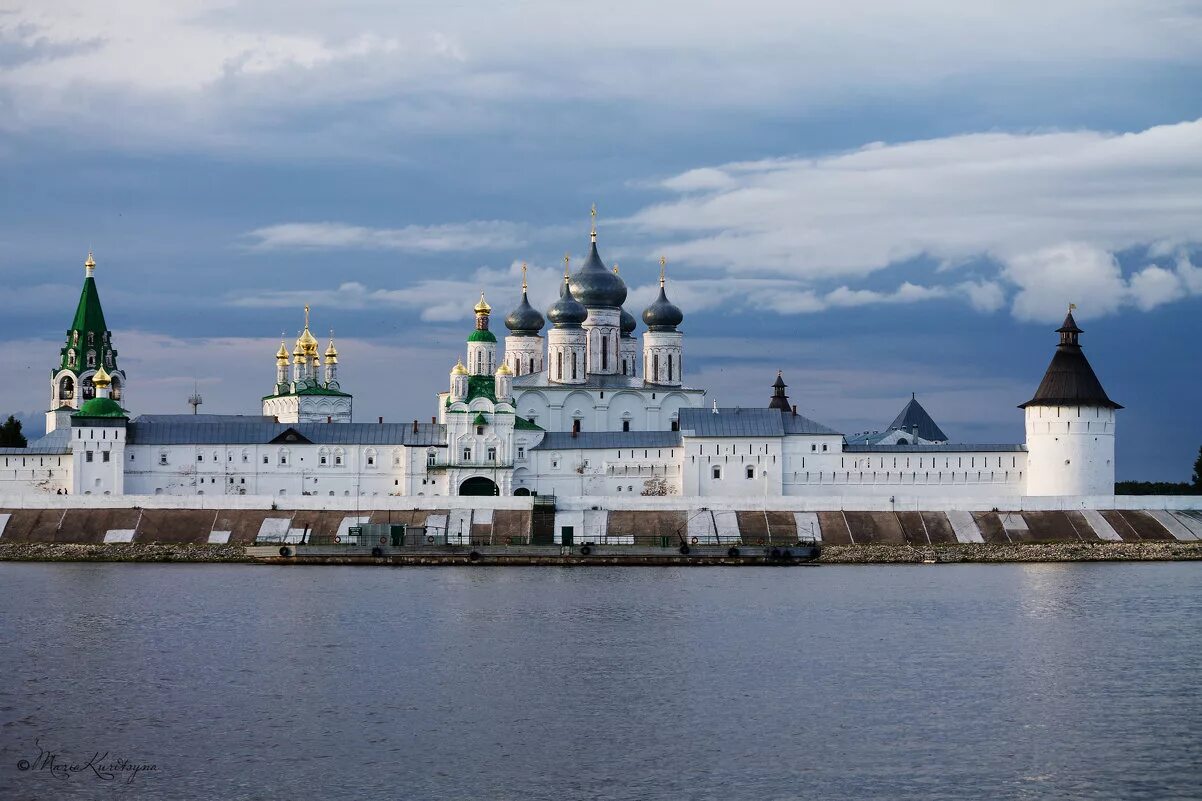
x,y
575,403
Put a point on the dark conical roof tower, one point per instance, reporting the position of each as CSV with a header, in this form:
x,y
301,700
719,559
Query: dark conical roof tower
x,y
779,399
914,418
1069,380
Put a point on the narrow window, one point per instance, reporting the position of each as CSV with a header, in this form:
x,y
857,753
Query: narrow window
x,y
521,451
625,425
573,365
88,456
655,368
669,366
604,353
750,471
104,456
492,454
559,365
467,454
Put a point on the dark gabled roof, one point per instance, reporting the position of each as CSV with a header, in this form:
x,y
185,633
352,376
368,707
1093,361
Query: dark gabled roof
x,y
222,432
740,422
591,440
1069,380
914,418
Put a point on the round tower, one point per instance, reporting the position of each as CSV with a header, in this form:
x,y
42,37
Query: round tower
x,y
663,345
1070,425
567,342
482,343
601,292
524,345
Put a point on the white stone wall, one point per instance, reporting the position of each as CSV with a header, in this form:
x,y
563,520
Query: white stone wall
x,y
98,460
25,474
663,352
565,347
1071,450
602,333
521,352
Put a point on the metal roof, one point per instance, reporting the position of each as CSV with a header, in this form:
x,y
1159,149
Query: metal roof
x,y
1070,380
955,447
751,422
56,443
589,440
259,433
203,419
914,418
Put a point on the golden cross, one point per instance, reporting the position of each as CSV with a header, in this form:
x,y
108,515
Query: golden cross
x,y
523,276
306,316
593,214
663,263
566,260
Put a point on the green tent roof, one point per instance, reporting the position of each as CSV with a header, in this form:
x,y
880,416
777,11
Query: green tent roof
x,y
88,332
480,420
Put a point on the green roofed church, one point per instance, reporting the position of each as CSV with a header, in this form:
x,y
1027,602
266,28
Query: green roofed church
x,y
87,349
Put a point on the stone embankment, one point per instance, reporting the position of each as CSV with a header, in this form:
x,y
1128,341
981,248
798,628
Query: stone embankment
x,y
831,554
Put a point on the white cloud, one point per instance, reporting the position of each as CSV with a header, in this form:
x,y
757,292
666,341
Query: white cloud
x,y
1051,208
1154,286
451,237
194,71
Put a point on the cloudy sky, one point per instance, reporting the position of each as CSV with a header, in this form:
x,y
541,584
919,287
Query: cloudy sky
x,y
875,197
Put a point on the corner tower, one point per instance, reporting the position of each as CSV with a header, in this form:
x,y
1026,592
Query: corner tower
x,y
89,347
1070,425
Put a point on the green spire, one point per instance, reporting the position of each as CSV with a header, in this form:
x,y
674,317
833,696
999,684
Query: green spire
x,y
89,334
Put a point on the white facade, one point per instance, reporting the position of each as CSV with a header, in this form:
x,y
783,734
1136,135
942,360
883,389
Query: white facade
x,y
574,419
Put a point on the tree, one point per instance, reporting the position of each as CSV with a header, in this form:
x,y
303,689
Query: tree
x,y
10,434
1198,471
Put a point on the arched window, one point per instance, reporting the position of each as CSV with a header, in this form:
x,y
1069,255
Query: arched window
x,y
338,454
574,360
283,454
370,455
559,365
655,368
91,357
323,457
669,366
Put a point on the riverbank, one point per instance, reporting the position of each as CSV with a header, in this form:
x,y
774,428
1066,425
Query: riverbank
x,y
831,554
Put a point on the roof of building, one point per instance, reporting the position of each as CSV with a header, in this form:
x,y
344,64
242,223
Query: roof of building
x,y
914,418
591,440
525,320
594,285
949,447
181,430
100,407
56,443
748,422
662,314
1070,380
481,335
567,311
89,319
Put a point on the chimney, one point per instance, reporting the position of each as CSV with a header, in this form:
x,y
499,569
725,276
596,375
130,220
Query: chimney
x,y
795,410
414,426
380,420
433,420
275,418
329,418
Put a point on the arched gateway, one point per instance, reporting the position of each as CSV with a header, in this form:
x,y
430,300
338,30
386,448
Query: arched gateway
x,y
478,486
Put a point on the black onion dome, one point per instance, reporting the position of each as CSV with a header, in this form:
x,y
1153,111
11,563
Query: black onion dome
x,y
627,325
594,285
525,320
567,312
663,315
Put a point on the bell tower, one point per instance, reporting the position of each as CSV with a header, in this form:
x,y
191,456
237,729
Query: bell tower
x,y
88,348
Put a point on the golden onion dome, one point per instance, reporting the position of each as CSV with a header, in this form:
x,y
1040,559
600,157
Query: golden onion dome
x,y
101,378
504,369
459,369
282,353
482,307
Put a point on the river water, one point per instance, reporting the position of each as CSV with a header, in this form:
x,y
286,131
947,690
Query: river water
x,y
893,682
